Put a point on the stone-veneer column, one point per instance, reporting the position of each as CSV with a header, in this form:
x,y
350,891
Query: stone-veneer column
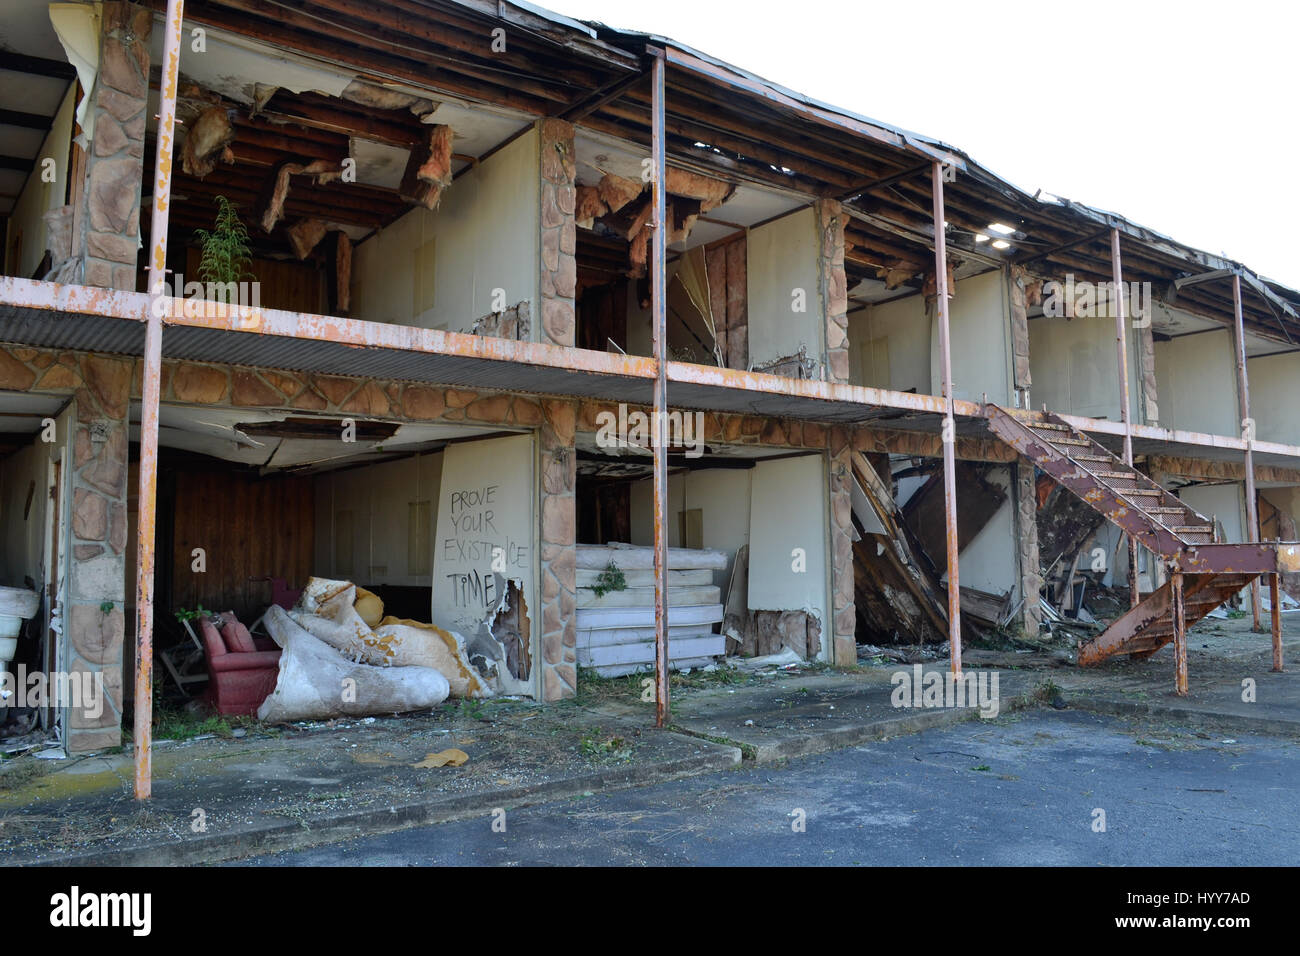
x,y
1031,578
834,288
558,264
115,166
844,648
558,537
95,582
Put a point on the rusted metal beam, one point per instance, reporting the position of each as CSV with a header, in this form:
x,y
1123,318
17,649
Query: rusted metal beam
x,y
1179,613
659,313
151,394
1121,357
949,433
1247,433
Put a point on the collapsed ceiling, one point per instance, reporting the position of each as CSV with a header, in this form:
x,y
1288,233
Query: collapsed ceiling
x,y
279,441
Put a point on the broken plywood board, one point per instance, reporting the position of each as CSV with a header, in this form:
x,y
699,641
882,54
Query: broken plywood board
x,y
768,632
924,512
886,608
984,607
893,578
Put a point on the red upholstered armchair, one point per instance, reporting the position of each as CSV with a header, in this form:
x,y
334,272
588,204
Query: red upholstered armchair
x,y
242,670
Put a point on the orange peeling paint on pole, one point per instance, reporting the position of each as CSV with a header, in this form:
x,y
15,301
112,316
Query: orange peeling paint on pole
x,y
1125,416
1248,434
659,303
150,398
949,423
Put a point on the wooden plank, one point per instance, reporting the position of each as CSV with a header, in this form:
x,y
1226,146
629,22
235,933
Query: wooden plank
x,y
980,501
894,556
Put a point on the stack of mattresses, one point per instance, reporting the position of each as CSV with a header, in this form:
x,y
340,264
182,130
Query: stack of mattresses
x,y
616,630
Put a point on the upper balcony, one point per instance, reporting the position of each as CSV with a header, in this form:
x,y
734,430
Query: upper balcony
x,y
484,223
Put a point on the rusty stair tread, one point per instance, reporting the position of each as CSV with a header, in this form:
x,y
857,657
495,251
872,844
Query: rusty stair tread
x,y
1121,493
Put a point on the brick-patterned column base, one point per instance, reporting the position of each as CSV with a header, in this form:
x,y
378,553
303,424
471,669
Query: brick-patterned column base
x,y
558,537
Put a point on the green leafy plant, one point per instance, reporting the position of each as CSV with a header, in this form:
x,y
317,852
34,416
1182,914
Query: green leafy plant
x,y
185,614
225,254
596,746
611,579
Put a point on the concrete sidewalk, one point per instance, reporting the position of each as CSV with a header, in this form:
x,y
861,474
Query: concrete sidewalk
x,y
281,788
278,788
1227,665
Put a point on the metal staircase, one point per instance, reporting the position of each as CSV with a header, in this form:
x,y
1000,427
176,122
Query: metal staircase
x,y
1206,572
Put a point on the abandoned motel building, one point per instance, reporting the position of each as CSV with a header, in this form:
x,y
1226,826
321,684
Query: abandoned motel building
x,y
495,256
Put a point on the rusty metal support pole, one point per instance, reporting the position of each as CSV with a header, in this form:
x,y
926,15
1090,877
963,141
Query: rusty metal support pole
x,y
1248,433
150,396
1179,613
1121,356
659,305
949,423
1275,617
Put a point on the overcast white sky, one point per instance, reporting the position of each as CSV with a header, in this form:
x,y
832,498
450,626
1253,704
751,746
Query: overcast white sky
x,y
1180,116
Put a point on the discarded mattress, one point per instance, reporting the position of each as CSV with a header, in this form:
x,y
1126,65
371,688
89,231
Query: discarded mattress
x,y
332,612
318,682
616,629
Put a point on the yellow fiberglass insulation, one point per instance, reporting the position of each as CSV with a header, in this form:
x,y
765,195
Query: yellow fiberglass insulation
x,y
328,611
